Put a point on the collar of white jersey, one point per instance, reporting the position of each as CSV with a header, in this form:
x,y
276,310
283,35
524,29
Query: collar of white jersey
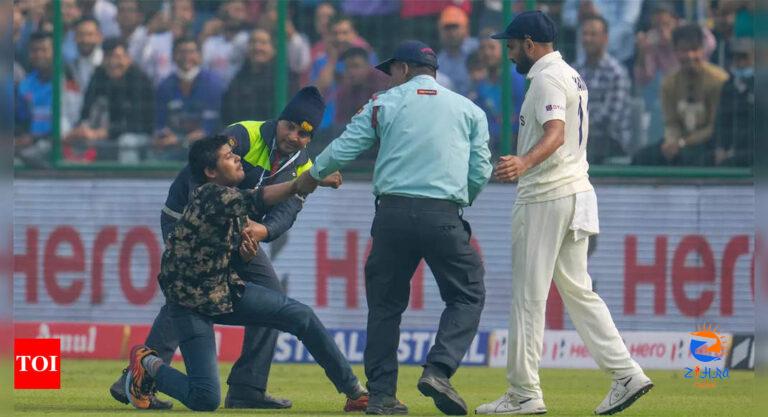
x,y
423,78
543,62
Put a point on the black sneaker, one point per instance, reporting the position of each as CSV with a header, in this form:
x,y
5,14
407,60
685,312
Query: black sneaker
x,y
385,406
440,390
257,400
118,393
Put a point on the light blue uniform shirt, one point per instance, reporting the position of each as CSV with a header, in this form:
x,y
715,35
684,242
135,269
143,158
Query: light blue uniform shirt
x,y
433,143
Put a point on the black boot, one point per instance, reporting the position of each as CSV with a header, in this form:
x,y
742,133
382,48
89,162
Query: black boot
x,y
384,405
434,383
253,398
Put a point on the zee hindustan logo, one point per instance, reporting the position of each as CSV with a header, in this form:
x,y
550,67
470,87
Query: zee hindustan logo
x,y
707,345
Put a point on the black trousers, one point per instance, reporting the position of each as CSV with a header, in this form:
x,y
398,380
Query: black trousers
x,y
404,231
251,371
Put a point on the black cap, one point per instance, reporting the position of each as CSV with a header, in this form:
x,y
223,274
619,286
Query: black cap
x,y
413,52
535,25
305,109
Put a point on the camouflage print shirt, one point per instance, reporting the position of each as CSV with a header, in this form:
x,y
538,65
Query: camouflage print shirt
x,y
196,271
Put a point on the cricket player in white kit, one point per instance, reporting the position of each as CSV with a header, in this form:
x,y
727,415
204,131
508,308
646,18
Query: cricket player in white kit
x,y
555,213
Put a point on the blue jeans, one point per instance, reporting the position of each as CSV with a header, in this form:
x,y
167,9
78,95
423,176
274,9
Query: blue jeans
x,y
200,388
250,372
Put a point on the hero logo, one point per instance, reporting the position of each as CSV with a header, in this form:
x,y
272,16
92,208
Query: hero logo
x,y
36,364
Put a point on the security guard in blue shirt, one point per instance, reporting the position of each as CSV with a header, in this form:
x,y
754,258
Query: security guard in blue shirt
x,y
272,152
433,160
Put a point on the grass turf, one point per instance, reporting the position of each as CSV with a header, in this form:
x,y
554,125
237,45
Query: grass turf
x,y
85,385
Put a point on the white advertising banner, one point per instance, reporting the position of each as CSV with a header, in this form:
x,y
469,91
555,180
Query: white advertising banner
x,y
670,257
565,349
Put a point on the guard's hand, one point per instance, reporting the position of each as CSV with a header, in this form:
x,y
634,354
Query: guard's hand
x,y
305,184
334,180
255,231
248,248
509,168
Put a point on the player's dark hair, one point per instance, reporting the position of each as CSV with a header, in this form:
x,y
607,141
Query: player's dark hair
x,y
664,8
185,39
354,52
87,19
690,33
421,69
335,20
111,44
40,36
474,61
597,18
204,154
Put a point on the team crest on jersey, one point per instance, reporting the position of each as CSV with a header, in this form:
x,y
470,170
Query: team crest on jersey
x,y
522,120
551,107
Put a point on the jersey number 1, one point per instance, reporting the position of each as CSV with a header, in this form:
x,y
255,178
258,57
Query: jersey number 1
x,y
581,121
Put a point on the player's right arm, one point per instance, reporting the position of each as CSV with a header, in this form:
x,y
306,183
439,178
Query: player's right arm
x,y
358,136
550,107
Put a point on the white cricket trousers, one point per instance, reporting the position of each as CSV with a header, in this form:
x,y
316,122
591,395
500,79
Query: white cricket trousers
x,y
543,248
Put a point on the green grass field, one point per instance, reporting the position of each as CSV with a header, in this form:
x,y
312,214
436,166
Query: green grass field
x,y
85,387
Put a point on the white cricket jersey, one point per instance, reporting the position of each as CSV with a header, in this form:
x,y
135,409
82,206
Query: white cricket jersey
x,y
556,92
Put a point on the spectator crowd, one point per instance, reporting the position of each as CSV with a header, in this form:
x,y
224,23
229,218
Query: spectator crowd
x,y
670,82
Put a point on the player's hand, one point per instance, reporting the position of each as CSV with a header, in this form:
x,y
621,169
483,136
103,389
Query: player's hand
x,y
212,27
670,149
509,168
165,138
195,135
248,248
160,22
305,184
22,141
334,180
722,154
93,135
255,231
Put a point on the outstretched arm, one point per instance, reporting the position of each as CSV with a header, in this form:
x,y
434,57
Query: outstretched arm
x,y
273,194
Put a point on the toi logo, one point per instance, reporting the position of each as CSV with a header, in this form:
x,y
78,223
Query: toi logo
x,y
37,364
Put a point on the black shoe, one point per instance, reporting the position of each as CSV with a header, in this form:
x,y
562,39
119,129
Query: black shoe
x,y
257,400
446,398
385,406
118,392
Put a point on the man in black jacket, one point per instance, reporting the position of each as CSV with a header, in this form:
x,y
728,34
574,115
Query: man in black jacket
x,y
272,151
118,112
251,93
735,123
